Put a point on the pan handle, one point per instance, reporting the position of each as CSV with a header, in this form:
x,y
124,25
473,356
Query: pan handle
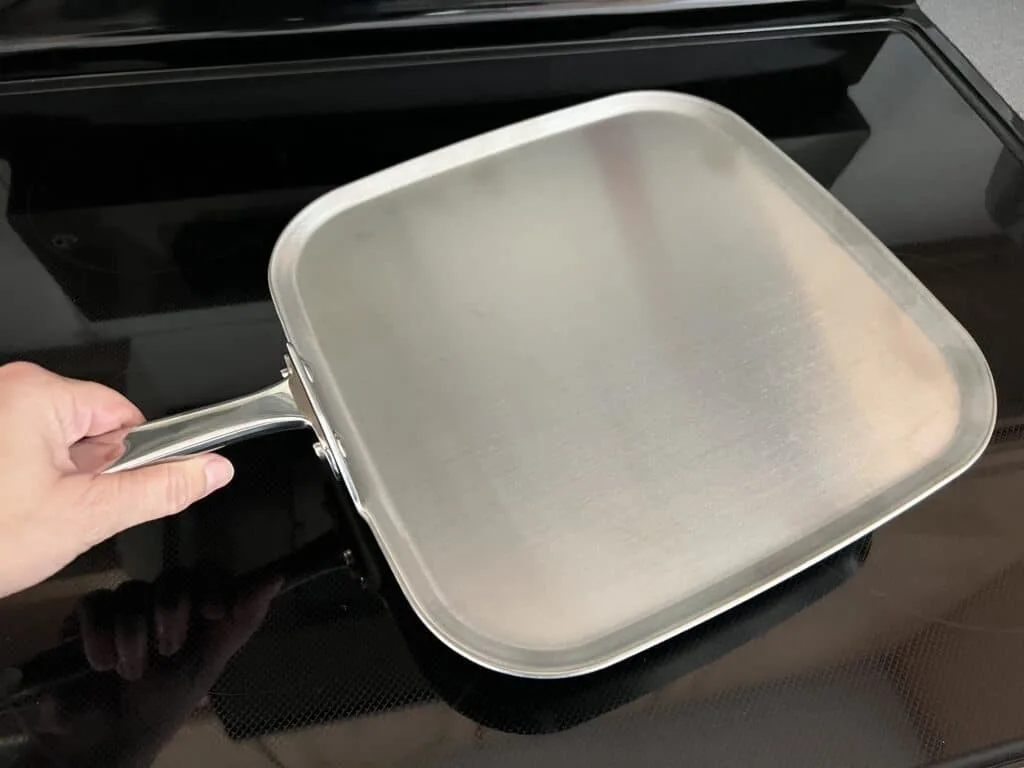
x,y
204,429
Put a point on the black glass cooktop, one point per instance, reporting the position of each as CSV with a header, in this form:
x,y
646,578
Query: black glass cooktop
x,y
139,217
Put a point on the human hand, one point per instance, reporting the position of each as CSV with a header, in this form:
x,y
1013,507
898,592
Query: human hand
x,y
50,511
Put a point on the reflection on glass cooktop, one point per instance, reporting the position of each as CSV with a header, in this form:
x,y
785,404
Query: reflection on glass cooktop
x,y
138,226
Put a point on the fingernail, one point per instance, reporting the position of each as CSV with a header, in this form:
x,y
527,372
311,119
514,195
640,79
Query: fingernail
x,y
218,473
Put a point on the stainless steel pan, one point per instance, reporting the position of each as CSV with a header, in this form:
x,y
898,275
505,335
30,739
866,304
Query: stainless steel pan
x,y
597,377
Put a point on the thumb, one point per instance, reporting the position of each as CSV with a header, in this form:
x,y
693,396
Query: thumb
x,y
118,501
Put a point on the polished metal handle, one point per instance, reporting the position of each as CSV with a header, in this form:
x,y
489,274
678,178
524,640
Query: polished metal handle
x,y
272,409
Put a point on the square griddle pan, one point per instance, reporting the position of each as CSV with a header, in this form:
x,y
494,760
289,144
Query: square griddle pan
x,y
599,376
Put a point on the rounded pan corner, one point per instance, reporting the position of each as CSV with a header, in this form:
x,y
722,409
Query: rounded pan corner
x,y
978,418
457,635
518,661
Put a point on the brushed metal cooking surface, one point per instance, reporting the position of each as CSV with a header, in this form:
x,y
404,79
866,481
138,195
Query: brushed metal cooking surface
x,y
604,374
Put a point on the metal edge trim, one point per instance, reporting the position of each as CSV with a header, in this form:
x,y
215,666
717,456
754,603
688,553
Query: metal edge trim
x,y
531,11
441,56
965,78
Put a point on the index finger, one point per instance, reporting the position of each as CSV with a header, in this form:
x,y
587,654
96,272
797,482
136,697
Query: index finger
x,y
96,410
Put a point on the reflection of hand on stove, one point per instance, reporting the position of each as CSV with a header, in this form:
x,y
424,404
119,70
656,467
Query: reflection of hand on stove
x,y
155,651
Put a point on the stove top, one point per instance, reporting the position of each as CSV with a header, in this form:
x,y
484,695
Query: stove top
x,y
140,212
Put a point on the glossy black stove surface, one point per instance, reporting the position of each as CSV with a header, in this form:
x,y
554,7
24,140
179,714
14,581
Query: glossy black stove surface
x,y
139,217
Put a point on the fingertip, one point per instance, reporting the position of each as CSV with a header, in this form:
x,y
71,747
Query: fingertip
x,y
171,612
96,621
131,628
218,471
111,503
